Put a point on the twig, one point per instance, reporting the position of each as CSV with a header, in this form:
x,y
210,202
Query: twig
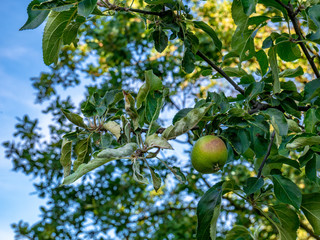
x,y
267,154
296,25
219,70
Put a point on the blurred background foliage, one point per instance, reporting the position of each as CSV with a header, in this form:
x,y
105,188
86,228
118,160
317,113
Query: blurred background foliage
x,y
113,53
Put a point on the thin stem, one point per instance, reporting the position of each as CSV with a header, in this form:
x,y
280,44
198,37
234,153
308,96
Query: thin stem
x,y
219,70
267,154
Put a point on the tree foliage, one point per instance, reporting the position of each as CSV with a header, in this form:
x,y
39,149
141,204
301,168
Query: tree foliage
x,y
162,74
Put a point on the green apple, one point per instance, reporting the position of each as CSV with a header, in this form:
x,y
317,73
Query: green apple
x,y
209,154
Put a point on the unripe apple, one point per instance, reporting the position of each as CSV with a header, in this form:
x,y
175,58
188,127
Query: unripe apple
x,y
209,154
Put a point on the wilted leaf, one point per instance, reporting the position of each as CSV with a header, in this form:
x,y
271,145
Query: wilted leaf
x,y
185,124
114,128
103,157
157,141
65,158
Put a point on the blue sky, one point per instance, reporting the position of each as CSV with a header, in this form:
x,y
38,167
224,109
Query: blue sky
x,y
20,59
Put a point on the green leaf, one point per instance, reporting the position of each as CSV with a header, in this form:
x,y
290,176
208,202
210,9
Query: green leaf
x,y
152,83
293,126
300,142
291,73
86,7
74,118
284,160
207,29
253,185
263,61
288,222
311,169
180,114
188,61
185,124
82,150
53,33
311,120
156,2
275,70
208,211
278,121
313,13
35,18
249,6
114,128
160,39
70,33
156,180
239,233
55,5
254,90
312,90
287,50
103,157
65,158
286,191
154,140
311,208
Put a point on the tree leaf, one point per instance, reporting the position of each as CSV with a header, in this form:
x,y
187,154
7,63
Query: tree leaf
x,y
239,233
156,2
157,141
160,39
263,61
207,29
300,142
275,69
74,118
188,61
291,73
253,185
86,7
156,180
55,5
208,211
82,150
103,157
114,128
284,160
35,18
65,158
286,191
313,13
126,150
289,222
278,121
287,50
312,90
180,114
137,176
185,124
152,83
311,169
311,120
53,33
310,206
249,6
70,33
